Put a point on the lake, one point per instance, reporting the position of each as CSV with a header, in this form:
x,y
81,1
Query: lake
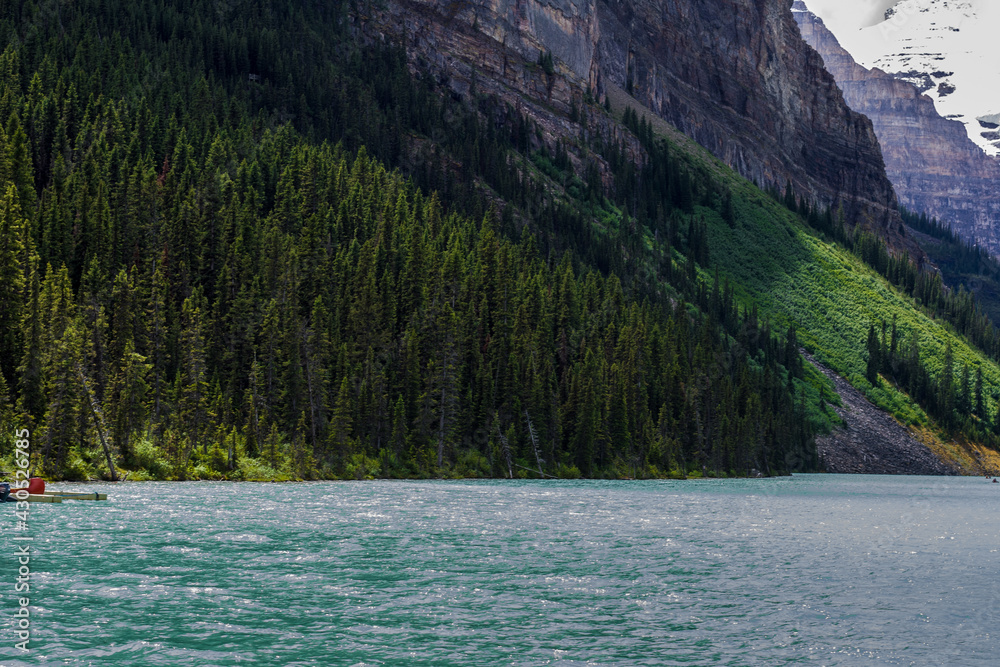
x,y
811,569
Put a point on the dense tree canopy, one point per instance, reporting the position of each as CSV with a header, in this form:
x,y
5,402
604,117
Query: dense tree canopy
x,y
197,231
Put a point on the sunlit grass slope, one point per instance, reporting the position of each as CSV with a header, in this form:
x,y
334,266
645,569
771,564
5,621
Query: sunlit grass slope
x,y
832,297
797,277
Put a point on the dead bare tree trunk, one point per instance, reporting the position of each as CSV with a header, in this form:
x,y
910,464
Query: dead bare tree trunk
x,y
98,422
505,450
534,443
441,429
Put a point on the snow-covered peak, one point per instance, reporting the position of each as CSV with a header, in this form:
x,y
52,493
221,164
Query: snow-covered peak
x,y
947,48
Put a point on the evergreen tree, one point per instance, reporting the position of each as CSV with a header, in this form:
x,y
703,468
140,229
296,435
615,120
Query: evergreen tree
x,y
946,385
341,443
126,400
979,408
29,372
64,399
874,360
964,398
11,279
193,399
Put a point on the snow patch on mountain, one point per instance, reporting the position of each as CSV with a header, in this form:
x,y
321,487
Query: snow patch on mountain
x,y
947,48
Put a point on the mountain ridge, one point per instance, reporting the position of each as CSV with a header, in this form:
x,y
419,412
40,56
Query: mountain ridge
x,y
945,48
751,97
934,166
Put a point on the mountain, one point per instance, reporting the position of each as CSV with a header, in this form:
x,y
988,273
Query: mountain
x,y
282,240
754,94
946,48
933,164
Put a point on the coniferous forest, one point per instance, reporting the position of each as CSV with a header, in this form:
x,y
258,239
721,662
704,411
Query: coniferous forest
x,y
238,241
208,259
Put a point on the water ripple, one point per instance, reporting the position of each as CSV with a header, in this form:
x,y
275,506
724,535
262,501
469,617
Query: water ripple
x,y
831,570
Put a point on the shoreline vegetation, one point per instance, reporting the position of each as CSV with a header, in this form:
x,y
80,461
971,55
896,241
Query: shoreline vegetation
x,y
344,272
369,470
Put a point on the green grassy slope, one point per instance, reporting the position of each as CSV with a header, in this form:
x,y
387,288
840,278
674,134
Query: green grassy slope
x,y
797,277
831,297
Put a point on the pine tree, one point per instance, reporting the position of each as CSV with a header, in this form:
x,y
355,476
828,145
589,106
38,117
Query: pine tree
x,y
126,399
728,212
946,385
64,411
399,431
5,406
11,280
444,379
256,411
123,326
30,380
193,400
341,444
874,360
979,408
273,445
965,398
158,351
21,174
316,356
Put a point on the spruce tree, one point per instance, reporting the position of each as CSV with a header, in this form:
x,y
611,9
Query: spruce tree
x,y
64,413
11,281
193,399
979,408
341,444
874,352
127,399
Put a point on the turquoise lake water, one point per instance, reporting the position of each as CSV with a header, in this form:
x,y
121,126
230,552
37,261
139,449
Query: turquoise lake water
x,y
824,570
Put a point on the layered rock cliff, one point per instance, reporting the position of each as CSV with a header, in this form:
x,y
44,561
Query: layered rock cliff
x,y
734,75
931,161
946,48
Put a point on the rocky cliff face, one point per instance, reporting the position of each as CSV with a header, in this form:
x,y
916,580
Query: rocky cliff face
x,y
931,161
734,75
